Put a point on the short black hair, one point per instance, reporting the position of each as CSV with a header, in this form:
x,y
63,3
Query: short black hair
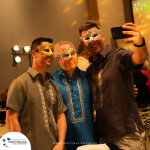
x,y
87,25
38,41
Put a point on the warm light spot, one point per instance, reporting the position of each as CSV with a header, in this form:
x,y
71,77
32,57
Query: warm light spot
x,y
144,31
74,23
103,15
100,20
143,26
79,2
148,16
86,14
105,2
67,9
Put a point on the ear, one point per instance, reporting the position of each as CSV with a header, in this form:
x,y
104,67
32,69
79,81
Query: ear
x,y
103,36
33,54
57,59
83,44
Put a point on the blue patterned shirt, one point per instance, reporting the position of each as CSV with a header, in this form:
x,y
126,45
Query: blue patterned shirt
x,y
77,98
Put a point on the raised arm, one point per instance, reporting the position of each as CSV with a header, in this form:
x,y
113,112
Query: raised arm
x,y
62,128
140,53
12,120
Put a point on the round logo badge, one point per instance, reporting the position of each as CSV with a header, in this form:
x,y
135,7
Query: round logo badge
x,y
14,141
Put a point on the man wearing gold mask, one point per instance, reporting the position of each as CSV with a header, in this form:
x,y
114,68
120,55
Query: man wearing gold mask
x,y
35,106
76,95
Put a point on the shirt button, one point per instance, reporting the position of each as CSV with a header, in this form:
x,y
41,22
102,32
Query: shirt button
x,y
69,80
73,87
74,95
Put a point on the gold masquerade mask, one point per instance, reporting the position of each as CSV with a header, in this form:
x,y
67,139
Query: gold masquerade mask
x,y
67,54
46,49
91,35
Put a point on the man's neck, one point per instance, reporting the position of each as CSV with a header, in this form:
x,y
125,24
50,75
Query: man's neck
x,y
42,71
71,73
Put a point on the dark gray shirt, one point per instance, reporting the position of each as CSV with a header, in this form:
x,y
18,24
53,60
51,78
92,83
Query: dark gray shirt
x,y
38,105
111,83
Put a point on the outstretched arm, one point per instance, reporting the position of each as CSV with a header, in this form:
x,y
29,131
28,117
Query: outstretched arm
x,y
12,120
140,53
62,128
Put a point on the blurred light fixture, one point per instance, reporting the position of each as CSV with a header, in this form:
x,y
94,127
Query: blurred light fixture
x,y
18,59
16,48
26,49
17,55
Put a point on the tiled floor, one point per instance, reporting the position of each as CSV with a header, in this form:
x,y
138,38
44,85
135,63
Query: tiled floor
x,y
3,130
145,116
147,132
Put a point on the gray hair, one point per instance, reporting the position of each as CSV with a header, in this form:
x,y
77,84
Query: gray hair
x,y
56,47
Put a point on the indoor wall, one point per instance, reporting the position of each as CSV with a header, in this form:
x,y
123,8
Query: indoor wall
x,y
21,21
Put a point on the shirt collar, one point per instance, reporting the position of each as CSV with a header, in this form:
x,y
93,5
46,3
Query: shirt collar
x,y
101,54
78,71
34,73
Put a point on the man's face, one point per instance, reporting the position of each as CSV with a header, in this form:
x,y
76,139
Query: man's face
x,y
94,47
42,59
70,64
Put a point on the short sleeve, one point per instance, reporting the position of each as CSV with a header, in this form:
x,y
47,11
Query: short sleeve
x,y
124,59
61,106
16,96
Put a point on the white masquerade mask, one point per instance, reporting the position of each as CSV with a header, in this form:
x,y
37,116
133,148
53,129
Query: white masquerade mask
x,y
91,35
67,54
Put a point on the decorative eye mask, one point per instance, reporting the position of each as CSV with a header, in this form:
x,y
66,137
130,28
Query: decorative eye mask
x,y
67,54
46,49
91,35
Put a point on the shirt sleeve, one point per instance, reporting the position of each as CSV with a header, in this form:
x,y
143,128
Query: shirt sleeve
x,y
16,98
124,59
61,106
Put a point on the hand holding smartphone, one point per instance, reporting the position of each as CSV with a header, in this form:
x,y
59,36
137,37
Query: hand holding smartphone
x,y
117,33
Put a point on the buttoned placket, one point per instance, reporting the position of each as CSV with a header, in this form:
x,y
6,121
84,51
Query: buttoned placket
x,y
72,88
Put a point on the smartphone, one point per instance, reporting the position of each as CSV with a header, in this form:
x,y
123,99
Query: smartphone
x,y
117,33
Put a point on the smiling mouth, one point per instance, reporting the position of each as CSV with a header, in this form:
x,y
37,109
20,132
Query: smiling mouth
x,y
94,45
49,59
71,62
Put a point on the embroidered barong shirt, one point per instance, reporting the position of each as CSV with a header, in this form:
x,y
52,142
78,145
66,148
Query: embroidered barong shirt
x,y
38,105
77,98
111,82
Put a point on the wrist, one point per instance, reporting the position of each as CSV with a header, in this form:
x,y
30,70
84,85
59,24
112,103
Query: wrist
x,y
143,43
